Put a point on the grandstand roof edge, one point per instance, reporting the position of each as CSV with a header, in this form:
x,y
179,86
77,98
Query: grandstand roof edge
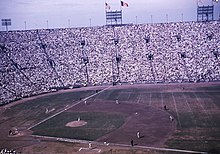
x,y
119,25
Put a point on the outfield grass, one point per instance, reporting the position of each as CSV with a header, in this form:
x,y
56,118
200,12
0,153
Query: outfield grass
x,y
34,110
197,112
98,124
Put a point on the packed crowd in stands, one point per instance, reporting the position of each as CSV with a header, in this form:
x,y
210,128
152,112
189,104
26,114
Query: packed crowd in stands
x,y
35,61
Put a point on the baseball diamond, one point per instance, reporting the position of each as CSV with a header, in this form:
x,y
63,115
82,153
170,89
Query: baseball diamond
x,y
109,126
112,89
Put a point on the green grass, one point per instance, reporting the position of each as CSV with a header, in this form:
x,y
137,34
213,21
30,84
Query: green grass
x,y
209,88
215,96
196,145
34,110
198,110
98,124
200,123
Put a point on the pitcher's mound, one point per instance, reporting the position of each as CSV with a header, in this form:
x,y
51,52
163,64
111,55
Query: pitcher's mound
x,y
76,123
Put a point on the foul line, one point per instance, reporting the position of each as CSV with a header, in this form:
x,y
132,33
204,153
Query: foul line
x,y
161,149
67,108
114,144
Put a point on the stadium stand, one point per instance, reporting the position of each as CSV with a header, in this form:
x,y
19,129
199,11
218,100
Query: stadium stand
x,y
37,61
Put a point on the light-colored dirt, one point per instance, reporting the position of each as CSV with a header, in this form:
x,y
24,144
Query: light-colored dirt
x,y
76,123
28,144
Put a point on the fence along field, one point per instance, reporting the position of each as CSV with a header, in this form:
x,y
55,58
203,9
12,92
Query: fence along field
x,y
195,108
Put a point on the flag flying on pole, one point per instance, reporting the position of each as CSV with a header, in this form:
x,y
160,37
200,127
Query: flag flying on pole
x,y
107,6
124,4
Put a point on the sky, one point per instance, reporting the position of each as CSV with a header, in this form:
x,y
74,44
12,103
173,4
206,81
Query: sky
x,y
41,14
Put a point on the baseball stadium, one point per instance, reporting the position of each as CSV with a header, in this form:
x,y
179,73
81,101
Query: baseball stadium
x,y
113,89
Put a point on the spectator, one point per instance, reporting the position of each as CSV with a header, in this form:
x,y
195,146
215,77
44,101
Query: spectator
x,y
35,61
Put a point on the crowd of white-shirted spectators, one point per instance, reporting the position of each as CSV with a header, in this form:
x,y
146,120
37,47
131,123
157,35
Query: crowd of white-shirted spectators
x,y
35,61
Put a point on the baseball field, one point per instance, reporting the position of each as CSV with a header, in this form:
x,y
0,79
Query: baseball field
x,y
170,118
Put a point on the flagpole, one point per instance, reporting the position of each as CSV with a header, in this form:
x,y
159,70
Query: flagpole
x,y
197,5
105,7
121,10
151,18
182,17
